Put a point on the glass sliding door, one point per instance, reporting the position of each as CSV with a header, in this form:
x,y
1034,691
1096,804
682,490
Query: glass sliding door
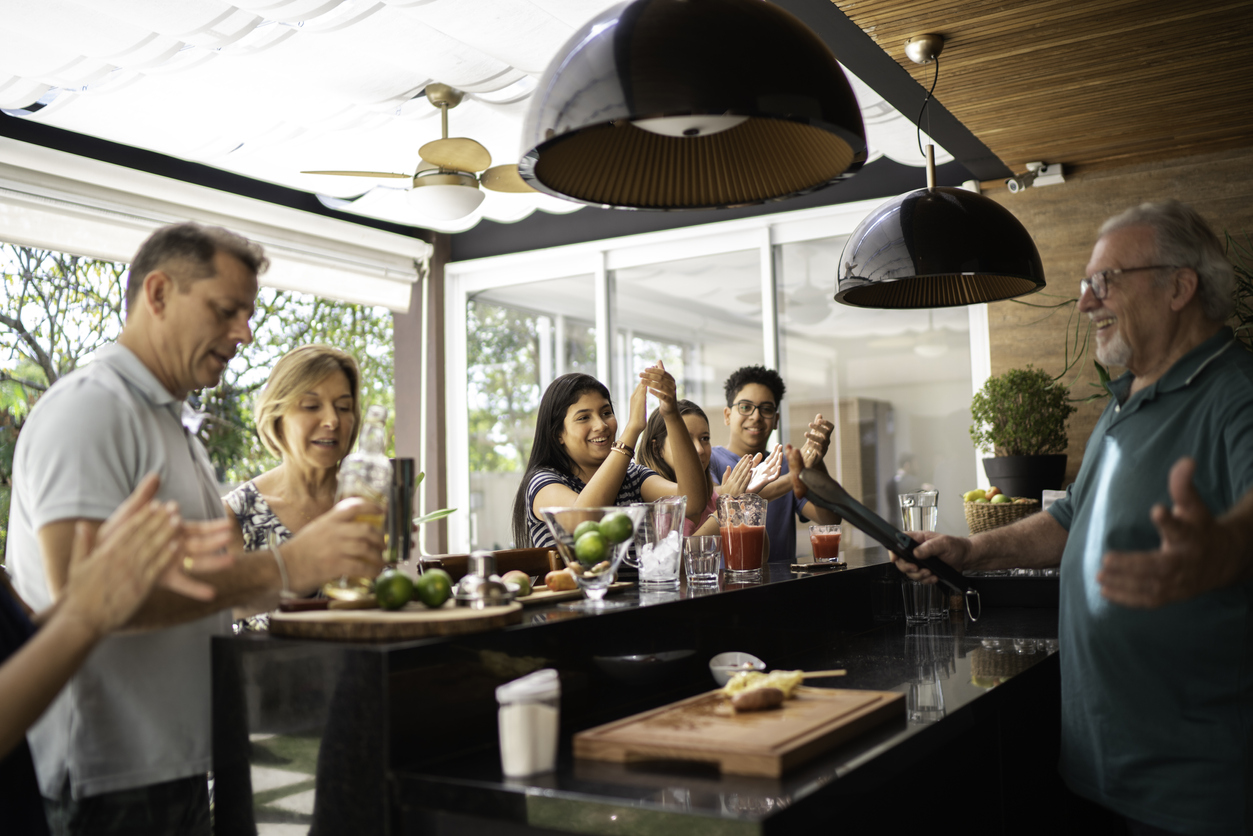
x,y
896,383
701,316
707,300
518,338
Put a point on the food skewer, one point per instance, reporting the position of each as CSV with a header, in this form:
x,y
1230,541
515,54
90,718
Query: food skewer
x,y
816,674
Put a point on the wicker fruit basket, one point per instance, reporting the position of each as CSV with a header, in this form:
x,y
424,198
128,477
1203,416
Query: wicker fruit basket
x,y
985,516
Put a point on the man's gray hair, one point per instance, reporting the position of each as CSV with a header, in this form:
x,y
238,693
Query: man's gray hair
x,y
193,246
1184,239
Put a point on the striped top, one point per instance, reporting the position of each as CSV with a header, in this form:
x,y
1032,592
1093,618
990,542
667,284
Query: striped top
x,y
628,494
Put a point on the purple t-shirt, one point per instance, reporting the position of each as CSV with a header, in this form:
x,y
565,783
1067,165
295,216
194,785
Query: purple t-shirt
x,y
781,514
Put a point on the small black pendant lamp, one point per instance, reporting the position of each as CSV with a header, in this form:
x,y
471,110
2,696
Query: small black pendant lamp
x,y
937,247
691,104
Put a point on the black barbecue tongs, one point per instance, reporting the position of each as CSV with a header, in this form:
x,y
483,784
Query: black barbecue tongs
x,y
827,493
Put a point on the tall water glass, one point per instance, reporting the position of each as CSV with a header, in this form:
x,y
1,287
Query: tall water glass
x,y
920,512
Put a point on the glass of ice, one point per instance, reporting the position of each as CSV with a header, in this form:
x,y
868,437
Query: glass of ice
x,y
659,543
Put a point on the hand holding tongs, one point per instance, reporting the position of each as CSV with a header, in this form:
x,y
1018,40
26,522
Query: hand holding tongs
x,y
827,493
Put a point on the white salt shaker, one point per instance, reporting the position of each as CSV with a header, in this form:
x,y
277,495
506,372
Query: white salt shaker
x,y
530,714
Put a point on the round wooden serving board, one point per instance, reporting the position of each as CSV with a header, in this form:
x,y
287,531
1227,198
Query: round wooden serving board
x,y
413,622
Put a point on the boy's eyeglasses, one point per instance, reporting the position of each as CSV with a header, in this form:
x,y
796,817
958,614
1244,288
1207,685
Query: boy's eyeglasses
x,y
767,409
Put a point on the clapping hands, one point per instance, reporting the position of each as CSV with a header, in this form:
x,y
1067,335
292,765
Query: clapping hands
x,y
817,440
750,474
659,382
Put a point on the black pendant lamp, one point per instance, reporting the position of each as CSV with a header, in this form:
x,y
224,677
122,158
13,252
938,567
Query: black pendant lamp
x,y
937,248
691,104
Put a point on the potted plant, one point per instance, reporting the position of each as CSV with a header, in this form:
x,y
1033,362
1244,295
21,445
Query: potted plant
x,y
1020,416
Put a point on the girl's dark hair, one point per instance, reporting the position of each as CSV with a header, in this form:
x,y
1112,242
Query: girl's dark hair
x,y
653,441
546,450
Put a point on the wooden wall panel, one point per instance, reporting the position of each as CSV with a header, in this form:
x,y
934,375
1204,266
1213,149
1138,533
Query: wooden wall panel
x,y
1092,84
1064,221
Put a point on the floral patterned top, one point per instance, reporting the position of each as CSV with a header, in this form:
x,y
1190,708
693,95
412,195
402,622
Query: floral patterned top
x,y
254,516
256,521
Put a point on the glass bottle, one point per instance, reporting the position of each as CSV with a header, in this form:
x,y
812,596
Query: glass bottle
x,y
367,474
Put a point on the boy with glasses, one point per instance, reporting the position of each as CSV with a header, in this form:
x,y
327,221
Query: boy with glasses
x,y
752,413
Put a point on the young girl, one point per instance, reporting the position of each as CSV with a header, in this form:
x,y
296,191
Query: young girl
x,y
657,451
578,458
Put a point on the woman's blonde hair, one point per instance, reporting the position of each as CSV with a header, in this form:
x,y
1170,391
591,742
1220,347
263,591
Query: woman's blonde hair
x,y
295,373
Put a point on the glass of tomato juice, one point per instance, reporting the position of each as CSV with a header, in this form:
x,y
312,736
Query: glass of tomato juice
x,y
742,524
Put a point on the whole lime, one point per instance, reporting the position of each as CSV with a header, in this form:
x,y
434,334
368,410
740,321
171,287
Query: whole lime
x,y
393,589
434,587
586,526
617,527
590,548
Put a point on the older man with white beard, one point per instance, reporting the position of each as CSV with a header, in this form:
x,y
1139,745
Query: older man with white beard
x,y
1156,618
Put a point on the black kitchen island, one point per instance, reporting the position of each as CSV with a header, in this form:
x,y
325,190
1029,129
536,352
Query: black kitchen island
x,y
402,738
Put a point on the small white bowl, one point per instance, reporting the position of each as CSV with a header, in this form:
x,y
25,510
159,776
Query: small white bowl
x,y
726,665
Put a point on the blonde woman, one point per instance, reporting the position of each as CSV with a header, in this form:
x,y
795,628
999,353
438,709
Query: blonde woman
x,y
307,415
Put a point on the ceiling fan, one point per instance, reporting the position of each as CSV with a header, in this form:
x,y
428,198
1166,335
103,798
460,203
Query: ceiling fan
x,y
446,183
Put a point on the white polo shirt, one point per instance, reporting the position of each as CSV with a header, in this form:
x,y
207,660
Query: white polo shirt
x,y
137,712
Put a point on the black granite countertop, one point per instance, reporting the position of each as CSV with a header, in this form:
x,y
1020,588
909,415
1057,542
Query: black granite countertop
x,y
944,668
402,736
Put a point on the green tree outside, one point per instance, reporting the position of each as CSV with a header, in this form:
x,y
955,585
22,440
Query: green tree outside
x,y
57,309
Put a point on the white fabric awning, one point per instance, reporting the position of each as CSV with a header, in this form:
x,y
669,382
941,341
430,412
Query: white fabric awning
x,y
60,201
271,88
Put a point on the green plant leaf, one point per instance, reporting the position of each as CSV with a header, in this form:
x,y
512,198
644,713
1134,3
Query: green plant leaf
x,y
433,516
1021,413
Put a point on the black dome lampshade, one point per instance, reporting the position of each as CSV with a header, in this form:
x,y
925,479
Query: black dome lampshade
x,y
691,104
937,248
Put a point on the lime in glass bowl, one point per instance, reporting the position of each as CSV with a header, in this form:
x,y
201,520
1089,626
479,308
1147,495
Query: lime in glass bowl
x,y
592,543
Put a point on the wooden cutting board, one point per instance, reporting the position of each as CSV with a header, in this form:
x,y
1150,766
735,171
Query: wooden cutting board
x,y
413,622
763,743
544,595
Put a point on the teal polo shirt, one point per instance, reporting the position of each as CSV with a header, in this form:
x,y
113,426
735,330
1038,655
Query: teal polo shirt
x,y
1157,705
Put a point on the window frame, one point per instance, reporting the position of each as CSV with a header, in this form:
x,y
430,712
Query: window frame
x,y
600,259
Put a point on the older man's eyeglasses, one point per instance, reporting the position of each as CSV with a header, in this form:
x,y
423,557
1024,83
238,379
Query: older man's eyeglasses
x,y
1098,283
766,409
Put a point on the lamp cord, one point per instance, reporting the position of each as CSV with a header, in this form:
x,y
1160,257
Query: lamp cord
x,y
936,61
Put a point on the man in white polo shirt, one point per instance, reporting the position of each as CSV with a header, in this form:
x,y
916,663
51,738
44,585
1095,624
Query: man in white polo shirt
x,y
126,746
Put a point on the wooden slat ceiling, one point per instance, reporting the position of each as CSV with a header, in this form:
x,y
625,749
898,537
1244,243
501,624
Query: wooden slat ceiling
x,y
1087,83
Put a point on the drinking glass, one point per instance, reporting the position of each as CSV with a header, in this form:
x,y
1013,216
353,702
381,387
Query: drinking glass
x,y
937,607
702,558
659,543
597,567
917,601
825,542
742,522
919,510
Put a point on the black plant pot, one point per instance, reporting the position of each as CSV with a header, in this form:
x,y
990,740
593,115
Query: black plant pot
x,y
1026,476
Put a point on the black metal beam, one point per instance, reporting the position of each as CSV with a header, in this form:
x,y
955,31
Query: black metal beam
x,y
869,62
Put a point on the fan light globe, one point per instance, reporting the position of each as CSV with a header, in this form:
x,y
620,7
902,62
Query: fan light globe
x,y
444,202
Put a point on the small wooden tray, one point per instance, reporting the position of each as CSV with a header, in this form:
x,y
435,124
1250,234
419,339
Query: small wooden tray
x,y
763,743
413,622
542,595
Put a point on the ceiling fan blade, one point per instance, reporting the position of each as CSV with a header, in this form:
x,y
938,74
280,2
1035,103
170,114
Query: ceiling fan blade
x,y
457,154
504,178
363,174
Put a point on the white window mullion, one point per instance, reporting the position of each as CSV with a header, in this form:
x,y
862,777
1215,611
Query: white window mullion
x,y
770,315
